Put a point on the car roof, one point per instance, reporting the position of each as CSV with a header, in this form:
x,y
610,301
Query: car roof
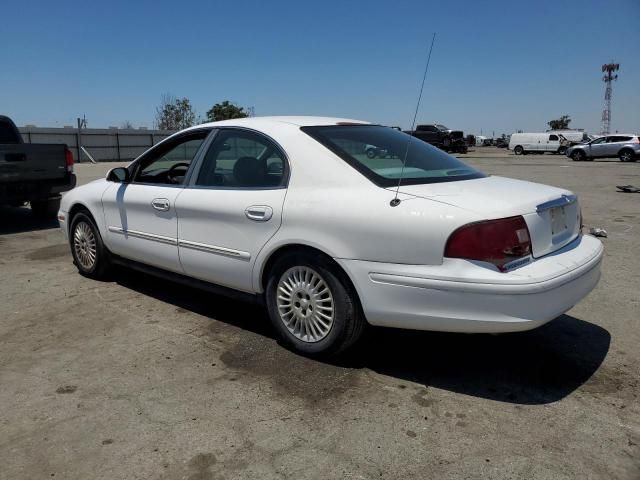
x,y
301,121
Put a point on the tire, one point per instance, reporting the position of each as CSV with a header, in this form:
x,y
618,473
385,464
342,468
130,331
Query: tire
x,y
578,156
371,153
518,150
84,239
46,209
291,299
627,156
562,150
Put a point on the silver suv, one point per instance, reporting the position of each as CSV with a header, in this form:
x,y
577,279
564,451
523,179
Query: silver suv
x,y
625,147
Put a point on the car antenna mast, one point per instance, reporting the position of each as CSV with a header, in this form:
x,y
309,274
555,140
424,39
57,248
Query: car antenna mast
x,y
396,201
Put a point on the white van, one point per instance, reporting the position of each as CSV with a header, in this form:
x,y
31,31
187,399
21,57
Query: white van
x,y
573,136
523,143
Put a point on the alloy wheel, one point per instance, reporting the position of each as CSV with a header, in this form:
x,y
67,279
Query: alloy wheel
x,y
626,156
84,245
305,304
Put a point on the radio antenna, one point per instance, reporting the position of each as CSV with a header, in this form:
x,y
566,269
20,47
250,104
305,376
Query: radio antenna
x,y
396,201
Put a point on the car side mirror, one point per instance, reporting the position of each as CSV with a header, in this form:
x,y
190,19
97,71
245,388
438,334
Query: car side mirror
x,y
119,175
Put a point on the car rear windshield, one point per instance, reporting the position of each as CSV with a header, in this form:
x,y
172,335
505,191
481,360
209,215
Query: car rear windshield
x,y
378,152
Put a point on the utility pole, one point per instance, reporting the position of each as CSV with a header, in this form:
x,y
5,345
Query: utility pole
x,y
609,76
82,123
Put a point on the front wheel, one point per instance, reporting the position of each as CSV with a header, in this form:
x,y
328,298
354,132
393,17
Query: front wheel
x,y
518,150
89,253
371,153
313,306
562,150
578,156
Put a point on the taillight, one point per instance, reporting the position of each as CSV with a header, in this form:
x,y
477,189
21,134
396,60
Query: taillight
x,y
499,242
68,160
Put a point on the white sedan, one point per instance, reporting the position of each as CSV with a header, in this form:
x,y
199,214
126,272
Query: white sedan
x,y
293,212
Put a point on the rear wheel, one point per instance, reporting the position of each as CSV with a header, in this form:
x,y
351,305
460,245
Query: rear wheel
x,y
627,156
578,156
89,253
312,305
46,208
518,150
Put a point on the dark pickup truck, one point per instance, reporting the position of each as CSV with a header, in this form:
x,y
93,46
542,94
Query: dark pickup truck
x,y
441,137
34,173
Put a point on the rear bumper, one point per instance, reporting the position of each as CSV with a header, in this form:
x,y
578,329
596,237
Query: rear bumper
x,y
461,296
35,190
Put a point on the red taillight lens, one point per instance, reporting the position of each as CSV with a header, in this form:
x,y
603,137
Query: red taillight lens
x,y
495,241
68,160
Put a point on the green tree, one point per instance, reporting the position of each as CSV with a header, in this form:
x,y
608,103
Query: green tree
x,y
225,111
174,113
560,123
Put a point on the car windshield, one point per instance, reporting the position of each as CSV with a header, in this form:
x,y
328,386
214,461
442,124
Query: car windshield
x,y
378,152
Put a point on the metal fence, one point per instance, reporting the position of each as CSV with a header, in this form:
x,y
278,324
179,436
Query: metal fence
x,y
103,144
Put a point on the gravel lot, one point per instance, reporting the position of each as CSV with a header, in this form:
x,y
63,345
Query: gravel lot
x,y
143,378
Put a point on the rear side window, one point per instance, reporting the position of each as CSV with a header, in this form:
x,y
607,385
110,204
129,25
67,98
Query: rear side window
x,y
242,159
378,153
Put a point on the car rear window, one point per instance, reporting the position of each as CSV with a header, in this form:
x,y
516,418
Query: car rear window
x,y
378,153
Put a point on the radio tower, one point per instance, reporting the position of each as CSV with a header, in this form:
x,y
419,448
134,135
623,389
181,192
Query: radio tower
x,y
607,78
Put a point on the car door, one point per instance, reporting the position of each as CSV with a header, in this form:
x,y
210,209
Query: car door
x,y
140,216
231,207
613,145
597,148
552,144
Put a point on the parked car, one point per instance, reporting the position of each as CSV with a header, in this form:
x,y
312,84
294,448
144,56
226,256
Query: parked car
x,y
34,173
441,137
523,143
502,142
292,212
625,147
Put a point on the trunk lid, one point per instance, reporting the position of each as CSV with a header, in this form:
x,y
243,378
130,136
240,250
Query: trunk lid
x,y
552,214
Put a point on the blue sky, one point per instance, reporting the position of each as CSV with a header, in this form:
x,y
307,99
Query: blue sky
x,y
496,66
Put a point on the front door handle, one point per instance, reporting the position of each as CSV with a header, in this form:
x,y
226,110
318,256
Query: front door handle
x,y
161,204
259,213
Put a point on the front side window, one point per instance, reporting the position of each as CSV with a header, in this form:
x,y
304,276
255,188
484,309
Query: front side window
x,y
379,152
169,162
242,159
598,141
553,137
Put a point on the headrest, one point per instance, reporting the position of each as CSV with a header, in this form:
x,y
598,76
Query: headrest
x,y
249,172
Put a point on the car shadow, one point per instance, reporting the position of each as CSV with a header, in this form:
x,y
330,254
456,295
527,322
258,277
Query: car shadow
x,y
21,219
528,368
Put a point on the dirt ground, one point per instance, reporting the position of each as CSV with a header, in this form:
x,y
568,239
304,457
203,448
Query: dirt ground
x,y
140,378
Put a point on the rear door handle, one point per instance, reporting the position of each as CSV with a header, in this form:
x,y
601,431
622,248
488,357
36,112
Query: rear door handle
x,y
259,213
161,204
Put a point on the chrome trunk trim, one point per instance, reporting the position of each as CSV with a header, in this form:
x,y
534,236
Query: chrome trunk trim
x,y
563,201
